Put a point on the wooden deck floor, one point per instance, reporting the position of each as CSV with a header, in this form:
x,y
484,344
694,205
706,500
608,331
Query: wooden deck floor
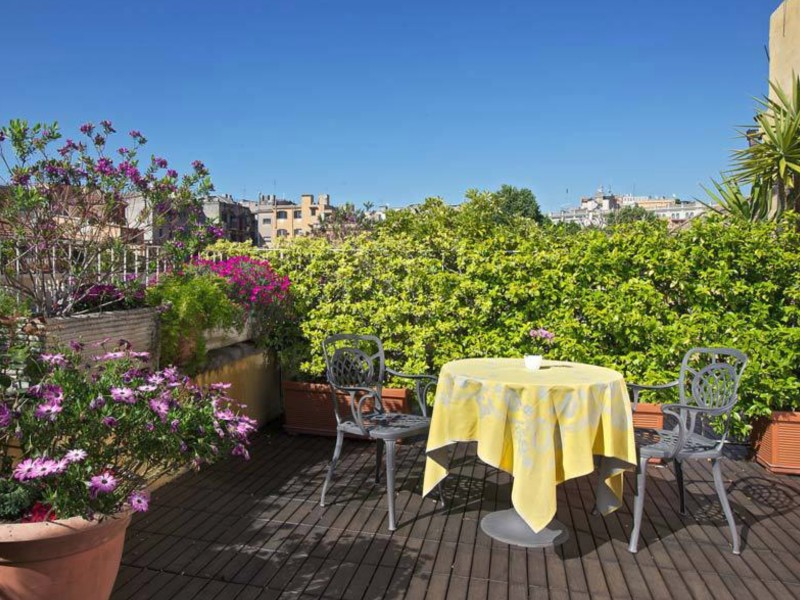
x,y
254,529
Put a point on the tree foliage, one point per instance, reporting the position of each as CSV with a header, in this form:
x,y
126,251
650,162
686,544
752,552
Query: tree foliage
x,y
629,214
518,202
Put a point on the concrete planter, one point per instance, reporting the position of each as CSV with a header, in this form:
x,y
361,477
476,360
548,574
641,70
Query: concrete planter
x,y
307,407
70,559
221,338
254,377
777,442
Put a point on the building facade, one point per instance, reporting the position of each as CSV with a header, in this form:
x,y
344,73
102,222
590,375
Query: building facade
x,y
281,218
784,44
594,210
235,218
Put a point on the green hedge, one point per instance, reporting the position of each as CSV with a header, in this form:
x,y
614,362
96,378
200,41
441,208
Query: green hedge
x,y
439,283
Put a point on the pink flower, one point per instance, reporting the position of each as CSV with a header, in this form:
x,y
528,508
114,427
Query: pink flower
x,y
48,410
75,455
123,395
139,501
25,470
102,484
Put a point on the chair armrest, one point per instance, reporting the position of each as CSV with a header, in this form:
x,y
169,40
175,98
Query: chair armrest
x,y
637,388
714,412
422,386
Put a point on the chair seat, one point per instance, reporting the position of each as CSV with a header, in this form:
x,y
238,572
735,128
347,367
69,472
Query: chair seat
x,y
388,426
658,443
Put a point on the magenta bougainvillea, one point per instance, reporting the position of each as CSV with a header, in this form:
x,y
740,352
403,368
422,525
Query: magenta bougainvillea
x,y
254,283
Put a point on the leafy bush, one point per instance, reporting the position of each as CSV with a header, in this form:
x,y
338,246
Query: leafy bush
x,y
194,302
439,283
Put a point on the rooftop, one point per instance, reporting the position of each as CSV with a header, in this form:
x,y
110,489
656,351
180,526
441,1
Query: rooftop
x,y
255,530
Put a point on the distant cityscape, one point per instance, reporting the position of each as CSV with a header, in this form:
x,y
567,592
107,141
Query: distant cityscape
x,y
595,210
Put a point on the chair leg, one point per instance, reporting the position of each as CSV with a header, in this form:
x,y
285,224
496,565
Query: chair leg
x,y
440,489
378,452
390,445
723,499
681,488
638,505
329,477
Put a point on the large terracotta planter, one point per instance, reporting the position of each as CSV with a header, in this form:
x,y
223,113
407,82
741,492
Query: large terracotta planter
x,y
648,416
777,442
307,407
71,559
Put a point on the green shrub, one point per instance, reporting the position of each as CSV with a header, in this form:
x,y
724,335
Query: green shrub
x,y
438,284
196,302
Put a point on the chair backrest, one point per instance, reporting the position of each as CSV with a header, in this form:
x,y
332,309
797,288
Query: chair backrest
x,y
710,378
355,361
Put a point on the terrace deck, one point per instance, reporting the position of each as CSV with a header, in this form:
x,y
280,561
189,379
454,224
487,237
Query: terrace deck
x,y
245,530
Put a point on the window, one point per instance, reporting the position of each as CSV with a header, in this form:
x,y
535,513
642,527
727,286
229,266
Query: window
x,y
282,233
298,232
266,221
281,214
313,211
298,214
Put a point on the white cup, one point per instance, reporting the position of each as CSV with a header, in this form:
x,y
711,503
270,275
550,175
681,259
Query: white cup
x,y
533,361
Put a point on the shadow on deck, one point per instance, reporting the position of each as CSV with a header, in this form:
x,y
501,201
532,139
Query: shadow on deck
x,y
244,530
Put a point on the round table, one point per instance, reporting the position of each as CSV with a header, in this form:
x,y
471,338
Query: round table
x,y
543,427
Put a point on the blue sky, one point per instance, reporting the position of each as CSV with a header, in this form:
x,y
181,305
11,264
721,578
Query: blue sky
x,y
391,102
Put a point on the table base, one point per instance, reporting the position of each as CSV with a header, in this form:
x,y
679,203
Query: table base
x,y
508,527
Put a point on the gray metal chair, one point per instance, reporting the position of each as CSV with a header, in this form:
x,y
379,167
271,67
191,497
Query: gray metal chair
x,y
708,387
356,366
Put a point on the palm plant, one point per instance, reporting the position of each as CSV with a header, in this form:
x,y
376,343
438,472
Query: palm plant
x,y
770,164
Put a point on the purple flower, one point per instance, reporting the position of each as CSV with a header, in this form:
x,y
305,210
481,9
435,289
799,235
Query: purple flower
x,y
25,470
98,402
99,140
542,334
140,355
184,447
135,134
107,127
123,151
240,450
75,455
161,408
48,410
123,395
61,465
147,388
171,373
110,356
76,346
159,162
172,173
2,136
87,128
54,360
21,178
102,484
174,425
139,501
150,427
45,467
155,379
68,147
6,416
104,166
110,421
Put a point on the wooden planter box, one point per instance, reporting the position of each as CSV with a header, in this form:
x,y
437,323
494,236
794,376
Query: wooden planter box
x,y
307,406
777,442
648,416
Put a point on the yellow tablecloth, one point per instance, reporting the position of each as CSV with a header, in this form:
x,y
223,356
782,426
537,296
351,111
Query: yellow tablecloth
x,y
543,427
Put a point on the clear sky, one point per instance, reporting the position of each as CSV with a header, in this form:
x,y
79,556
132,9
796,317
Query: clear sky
x,y
394,101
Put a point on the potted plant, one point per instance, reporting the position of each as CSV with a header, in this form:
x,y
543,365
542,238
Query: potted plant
x,y
79,450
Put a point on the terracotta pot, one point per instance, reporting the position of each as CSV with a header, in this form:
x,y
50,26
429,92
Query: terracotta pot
x,y
70,559
648,416
307,407
777,442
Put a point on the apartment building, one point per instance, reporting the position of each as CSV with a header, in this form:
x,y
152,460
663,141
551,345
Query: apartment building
x,y
593,210
235,218
278,217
